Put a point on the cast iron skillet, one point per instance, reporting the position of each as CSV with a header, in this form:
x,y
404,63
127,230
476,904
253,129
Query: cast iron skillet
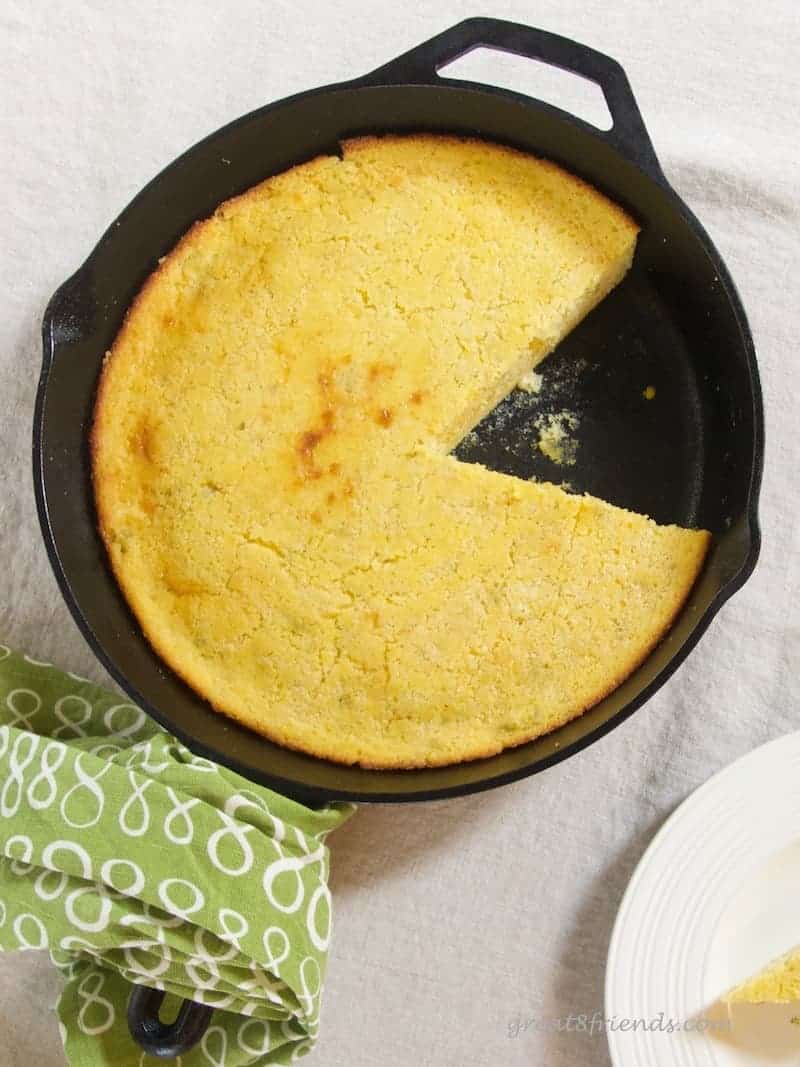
x,y
693,455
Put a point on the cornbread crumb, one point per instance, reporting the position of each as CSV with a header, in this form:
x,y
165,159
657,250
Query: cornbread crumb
x,y
777,983
554,437
649,392
531,382
271,470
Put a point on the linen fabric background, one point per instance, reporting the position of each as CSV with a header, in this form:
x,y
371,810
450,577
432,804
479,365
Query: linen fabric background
x,y
454,920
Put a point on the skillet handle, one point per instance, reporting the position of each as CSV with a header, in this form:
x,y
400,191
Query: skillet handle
x,y
165,1040
420,66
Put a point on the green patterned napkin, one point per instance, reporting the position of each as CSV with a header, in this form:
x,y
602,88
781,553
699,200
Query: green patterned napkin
x,y
133,860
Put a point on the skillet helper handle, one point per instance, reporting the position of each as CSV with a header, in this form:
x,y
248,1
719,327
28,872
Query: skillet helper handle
x,y
165,1040
421,65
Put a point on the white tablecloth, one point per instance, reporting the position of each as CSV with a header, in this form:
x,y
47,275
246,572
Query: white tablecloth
x,y
455,918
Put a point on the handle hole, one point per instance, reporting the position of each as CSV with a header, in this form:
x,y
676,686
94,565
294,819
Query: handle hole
x,y
561,88
169,1010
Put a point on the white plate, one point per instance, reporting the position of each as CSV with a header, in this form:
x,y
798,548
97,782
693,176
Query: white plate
x,y
714,898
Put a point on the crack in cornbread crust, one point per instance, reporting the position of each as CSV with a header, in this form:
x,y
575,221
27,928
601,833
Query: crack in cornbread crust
x,y
345,587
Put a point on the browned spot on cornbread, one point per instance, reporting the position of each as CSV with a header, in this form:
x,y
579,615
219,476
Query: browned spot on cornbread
x,y
417,396
306,446
309,441
380,370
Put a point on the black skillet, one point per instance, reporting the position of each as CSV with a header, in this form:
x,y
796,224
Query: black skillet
x,y
691,455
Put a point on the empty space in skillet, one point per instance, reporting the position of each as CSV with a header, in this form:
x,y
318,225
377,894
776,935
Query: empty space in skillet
x,y
642,454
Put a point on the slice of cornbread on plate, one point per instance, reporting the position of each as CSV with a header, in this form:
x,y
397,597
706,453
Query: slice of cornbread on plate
x,y
777,983
271,469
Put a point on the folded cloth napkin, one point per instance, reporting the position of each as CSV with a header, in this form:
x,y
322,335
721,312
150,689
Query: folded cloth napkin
x,y
133,860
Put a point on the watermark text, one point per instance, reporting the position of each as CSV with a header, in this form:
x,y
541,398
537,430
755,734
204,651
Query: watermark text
x,y
597,1023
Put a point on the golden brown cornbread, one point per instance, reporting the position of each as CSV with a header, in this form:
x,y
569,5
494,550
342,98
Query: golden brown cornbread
x,y
271,470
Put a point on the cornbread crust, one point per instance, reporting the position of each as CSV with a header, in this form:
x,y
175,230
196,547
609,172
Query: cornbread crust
x,y
277,500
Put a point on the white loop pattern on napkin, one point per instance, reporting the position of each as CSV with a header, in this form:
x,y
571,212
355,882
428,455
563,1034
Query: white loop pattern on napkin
x,y
86,787
180,810
319,941
89,926
50,851
131,728
22,719
139,756
31,920
165,891
49,895
238,831
272,961
136,886
161,954
89,991
11,795
72,727
260,1031
27,850
308,996
136,800
46,777
233,936
72,943
205,954
215,1033
289,865
203,973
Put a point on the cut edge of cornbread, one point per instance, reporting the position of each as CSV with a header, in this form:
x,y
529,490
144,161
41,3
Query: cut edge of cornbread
x,y
776,983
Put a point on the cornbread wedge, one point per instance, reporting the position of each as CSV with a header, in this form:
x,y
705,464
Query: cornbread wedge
x,y
777,983
271,469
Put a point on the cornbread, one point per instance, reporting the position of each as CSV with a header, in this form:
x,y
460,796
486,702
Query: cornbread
x,y
271,468
777,983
